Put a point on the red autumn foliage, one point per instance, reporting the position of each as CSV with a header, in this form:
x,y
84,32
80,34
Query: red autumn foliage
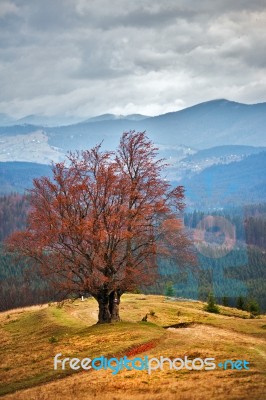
x,y
100,225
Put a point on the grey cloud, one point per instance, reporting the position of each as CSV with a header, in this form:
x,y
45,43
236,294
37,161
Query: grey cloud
x,y
7,8
88,57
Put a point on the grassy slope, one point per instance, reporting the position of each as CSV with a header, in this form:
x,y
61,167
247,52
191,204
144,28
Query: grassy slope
x,y
27,352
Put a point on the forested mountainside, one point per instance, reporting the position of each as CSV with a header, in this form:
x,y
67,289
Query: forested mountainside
x,y
18,176
13,214
249,222
20,282
236,183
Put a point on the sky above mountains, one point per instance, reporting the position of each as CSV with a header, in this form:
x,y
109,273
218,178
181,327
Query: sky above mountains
x,y
85,58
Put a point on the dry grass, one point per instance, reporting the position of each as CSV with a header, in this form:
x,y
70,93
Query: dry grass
x,y
27,355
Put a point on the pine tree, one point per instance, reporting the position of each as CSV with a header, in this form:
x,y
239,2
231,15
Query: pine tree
x,y
211,306
240,304
253,307
169,290
225,301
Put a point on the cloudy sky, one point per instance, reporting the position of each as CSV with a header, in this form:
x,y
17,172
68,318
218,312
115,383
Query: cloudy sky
x,y
88,57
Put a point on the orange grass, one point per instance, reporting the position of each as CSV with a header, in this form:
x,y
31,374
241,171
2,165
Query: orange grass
x,y
27,354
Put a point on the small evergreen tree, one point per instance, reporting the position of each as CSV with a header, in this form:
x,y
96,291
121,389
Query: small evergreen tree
x,y
240,304
253,307
225,301
212,306
169,290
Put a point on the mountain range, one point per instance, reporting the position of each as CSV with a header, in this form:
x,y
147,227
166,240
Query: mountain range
x,y
217,186
205,125
53,121
211,141
225,185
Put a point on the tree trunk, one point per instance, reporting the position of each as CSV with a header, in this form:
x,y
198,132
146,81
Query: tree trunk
x,y
114,301
104,315
108,306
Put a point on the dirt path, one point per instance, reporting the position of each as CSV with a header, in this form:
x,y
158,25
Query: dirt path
x,y
207,332
87,316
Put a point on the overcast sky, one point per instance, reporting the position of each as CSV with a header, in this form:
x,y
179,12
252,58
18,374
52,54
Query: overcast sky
x,y
86,57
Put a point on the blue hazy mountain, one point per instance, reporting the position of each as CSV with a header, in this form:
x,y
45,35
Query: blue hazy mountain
x,y
6,120
113,117
18,176
214,123
221,185
194,162
47,121
218,132
209,124
55,121
237,183
223,152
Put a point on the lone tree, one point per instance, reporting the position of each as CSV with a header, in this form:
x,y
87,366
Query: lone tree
x,y
240,303
211,305
100,225
169,290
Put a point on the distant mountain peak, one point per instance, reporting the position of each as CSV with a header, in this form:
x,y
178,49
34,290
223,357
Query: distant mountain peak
x,y
5,119
112,117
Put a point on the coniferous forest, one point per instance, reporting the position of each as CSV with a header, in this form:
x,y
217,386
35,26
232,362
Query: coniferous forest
x,y
20,280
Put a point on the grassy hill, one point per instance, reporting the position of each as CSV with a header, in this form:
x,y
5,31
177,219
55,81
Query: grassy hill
x,y
31,337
